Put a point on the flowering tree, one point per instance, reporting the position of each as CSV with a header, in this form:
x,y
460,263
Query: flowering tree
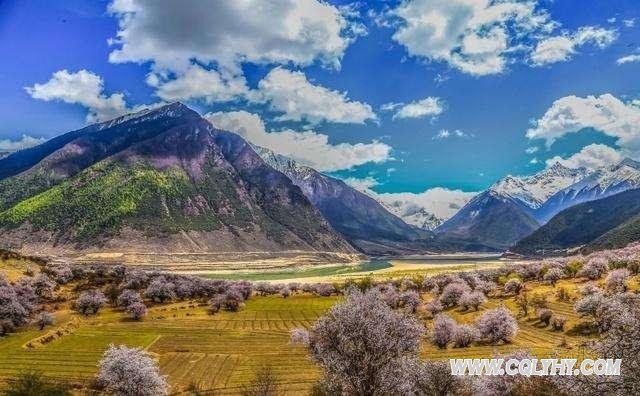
x,y
128,297
130,371
161,290
544,315
434,307
464,335
472,300
588,305
497,325
410,300
90,301
12,312
594,268
361,342
443,329
513,286
616,280
44,319
136,310
43,285
452,292
553,275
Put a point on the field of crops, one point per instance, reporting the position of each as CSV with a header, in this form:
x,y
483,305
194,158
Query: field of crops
x,y
222,352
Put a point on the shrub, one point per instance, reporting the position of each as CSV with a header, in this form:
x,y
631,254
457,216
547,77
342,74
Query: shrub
x,y
33,383
562,294
434,307
130,371
410,300
497,325
90,301
443,329
464,335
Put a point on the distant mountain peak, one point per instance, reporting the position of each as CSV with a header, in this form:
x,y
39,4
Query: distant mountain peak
x,y
170,110
628,162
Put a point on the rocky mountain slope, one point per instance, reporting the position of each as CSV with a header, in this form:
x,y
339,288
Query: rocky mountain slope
x,y
359,218
160,180
603,223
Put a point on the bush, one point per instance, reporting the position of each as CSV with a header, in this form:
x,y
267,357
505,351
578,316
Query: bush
x,y
443,329
594,268
452,292
136,310
616,280
553,275
497,325
562,294
472,300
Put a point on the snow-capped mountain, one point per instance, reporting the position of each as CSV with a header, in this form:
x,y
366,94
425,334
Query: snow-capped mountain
x,y
362,220
599,184
413,214
534,191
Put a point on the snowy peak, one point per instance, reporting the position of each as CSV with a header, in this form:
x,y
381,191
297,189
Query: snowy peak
x,y
413,214
533,191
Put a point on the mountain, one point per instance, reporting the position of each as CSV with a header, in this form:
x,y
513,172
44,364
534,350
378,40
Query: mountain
x,y
506,212
358,217
611,221
601,183
161,180
413,214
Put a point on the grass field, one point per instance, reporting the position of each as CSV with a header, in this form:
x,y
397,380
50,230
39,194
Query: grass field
x,y
222,352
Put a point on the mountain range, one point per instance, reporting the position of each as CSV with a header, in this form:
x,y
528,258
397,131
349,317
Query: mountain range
x,y
166,180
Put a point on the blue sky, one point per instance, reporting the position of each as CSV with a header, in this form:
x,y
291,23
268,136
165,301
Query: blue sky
x,y
565,72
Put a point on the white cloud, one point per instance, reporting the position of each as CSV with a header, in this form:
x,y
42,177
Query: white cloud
x,y
364,185
605,113
532,149
474,36
562,48
631,22
427,107
26,141
172,34
628,59
308,147
445,134
199,83
293,95
442,202
612,20
592,156
84,88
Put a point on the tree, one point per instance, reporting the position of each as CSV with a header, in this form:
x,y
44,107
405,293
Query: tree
x,y
128,297
160,290
452,292
410,300
588,305
594,268
443,329
264,383
544,315
513,286
285,291
44,319
32,383
232,300
558,321
90,301
130,372
496,325
12,312
361,343
616,280
553,275
472,300
464,335
434,307
136,310
43,286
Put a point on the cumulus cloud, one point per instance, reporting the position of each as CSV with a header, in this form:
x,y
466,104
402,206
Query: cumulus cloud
x,y
442,202
26,141
605,113
364,185
199,83
631,22
445,134
562,48
309,147
84,88
427,107
628,59
173,33
297,99
474,36
592,156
